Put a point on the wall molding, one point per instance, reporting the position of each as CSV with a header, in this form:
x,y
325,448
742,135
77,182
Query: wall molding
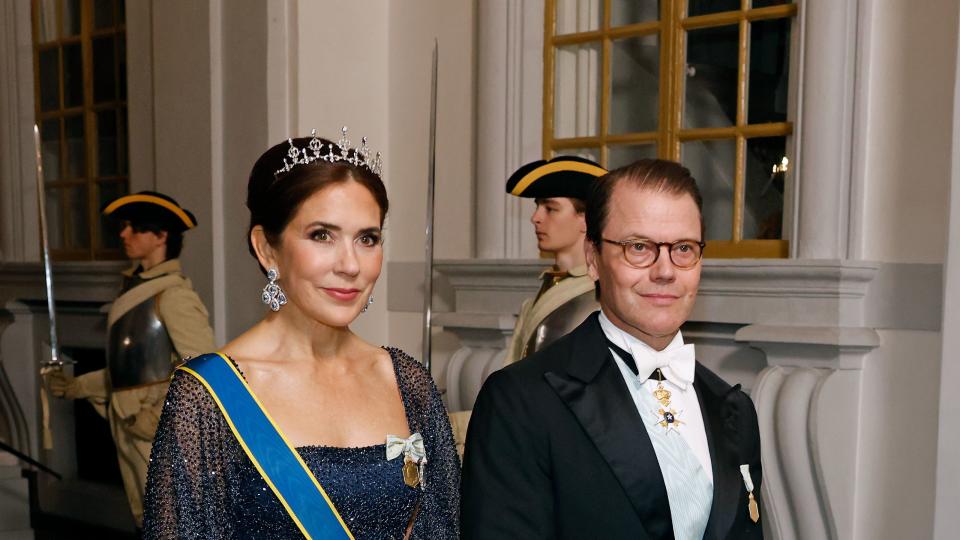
x,y
97,281
794,292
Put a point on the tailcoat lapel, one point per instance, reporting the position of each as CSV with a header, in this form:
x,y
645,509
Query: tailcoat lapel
x,y
591,385
720,418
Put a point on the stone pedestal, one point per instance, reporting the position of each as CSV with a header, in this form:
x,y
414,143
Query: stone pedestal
x,y
808,401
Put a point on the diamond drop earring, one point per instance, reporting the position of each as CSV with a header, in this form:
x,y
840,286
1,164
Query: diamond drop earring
x,y
369,303
272,294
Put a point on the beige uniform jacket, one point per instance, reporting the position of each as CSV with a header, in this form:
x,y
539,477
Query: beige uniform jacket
x,y
532,313
187,322
134,413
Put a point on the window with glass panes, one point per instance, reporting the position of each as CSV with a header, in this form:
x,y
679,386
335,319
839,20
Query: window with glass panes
x,y
702,82
81,107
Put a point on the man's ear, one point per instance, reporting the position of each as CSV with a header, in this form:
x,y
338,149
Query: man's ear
x,y
266,254
582,222
162,236
592,257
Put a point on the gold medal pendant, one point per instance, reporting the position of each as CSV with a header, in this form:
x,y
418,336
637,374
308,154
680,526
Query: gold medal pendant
x,y
667,417
411,473
754,509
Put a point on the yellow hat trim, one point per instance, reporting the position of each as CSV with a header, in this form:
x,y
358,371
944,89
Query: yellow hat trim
x,y
123,201
551,168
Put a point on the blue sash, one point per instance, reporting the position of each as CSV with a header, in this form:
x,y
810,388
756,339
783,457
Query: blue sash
x,y
278,462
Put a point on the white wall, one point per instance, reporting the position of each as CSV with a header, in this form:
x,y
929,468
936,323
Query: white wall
x,y
182,127
343,80
898,443
244,135
911,59
413,27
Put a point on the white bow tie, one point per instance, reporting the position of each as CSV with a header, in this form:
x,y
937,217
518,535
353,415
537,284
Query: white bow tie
x,y
677,364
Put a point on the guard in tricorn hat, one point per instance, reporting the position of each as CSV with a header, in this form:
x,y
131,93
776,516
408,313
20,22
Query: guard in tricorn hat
x,y
155,321
559,187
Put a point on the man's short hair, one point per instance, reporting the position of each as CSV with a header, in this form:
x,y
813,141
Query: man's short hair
x,y
659,175
579,205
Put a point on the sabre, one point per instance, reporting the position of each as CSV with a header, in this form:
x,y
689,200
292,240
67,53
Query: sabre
x,y
55,360
29,460
431,181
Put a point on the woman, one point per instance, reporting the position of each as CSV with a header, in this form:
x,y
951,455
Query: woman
x,y
300,428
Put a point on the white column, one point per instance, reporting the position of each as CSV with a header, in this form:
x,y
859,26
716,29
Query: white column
x,y
19,237
509,121
946,518
825,128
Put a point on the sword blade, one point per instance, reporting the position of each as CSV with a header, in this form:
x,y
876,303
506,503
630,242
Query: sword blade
x,y
47,265
4,447
431,183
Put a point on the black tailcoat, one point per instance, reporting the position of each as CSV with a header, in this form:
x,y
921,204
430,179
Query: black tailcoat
x,y
556,449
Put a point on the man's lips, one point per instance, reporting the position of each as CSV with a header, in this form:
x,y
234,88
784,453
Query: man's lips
x,y
344,295
660,299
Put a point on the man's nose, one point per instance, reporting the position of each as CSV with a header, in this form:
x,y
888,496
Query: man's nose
x,y
663,270
537,216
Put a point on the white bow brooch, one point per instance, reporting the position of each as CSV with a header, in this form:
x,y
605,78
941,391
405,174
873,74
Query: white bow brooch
x,y
414,457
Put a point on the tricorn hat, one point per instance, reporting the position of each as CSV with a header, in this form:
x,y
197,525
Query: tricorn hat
x,y
562,176
152,207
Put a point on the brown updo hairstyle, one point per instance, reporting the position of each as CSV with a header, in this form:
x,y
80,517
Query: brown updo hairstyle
x,y
273,199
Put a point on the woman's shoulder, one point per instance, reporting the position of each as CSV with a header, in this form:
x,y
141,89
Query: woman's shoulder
x,y
187,393
412,376
405,363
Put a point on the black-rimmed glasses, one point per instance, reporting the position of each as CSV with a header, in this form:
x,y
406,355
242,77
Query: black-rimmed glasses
x,y
641,253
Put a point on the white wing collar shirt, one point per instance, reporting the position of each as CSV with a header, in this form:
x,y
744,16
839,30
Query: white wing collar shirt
x,y
683,453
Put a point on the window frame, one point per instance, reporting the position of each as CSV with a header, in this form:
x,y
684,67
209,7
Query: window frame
x,y
671,30
90,178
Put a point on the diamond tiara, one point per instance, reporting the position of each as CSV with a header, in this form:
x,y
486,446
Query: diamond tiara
x,y
330,152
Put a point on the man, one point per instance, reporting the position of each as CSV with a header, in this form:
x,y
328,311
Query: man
x,y
155,321
615,431
559,188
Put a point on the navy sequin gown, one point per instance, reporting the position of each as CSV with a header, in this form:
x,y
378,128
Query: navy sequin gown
x,y
201,484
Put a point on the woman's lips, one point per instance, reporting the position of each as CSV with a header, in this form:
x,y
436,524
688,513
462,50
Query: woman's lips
x,y
344,295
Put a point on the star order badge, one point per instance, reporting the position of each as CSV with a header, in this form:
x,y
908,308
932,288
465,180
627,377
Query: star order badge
x,y
667,417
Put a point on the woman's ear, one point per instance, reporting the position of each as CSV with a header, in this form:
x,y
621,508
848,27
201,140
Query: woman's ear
x,y
266,254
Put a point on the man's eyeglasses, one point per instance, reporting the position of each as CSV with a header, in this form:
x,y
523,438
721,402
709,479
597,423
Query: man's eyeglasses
x,y
641,253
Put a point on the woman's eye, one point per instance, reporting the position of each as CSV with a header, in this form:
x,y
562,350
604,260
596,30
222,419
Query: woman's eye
x,y
369,240
320,235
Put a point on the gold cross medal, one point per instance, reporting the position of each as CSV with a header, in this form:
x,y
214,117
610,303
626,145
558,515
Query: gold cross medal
x,y
667,417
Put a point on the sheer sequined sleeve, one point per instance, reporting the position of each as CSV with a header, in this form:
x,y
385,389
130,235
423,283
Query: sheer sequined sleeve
x,y
187,483
439,514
